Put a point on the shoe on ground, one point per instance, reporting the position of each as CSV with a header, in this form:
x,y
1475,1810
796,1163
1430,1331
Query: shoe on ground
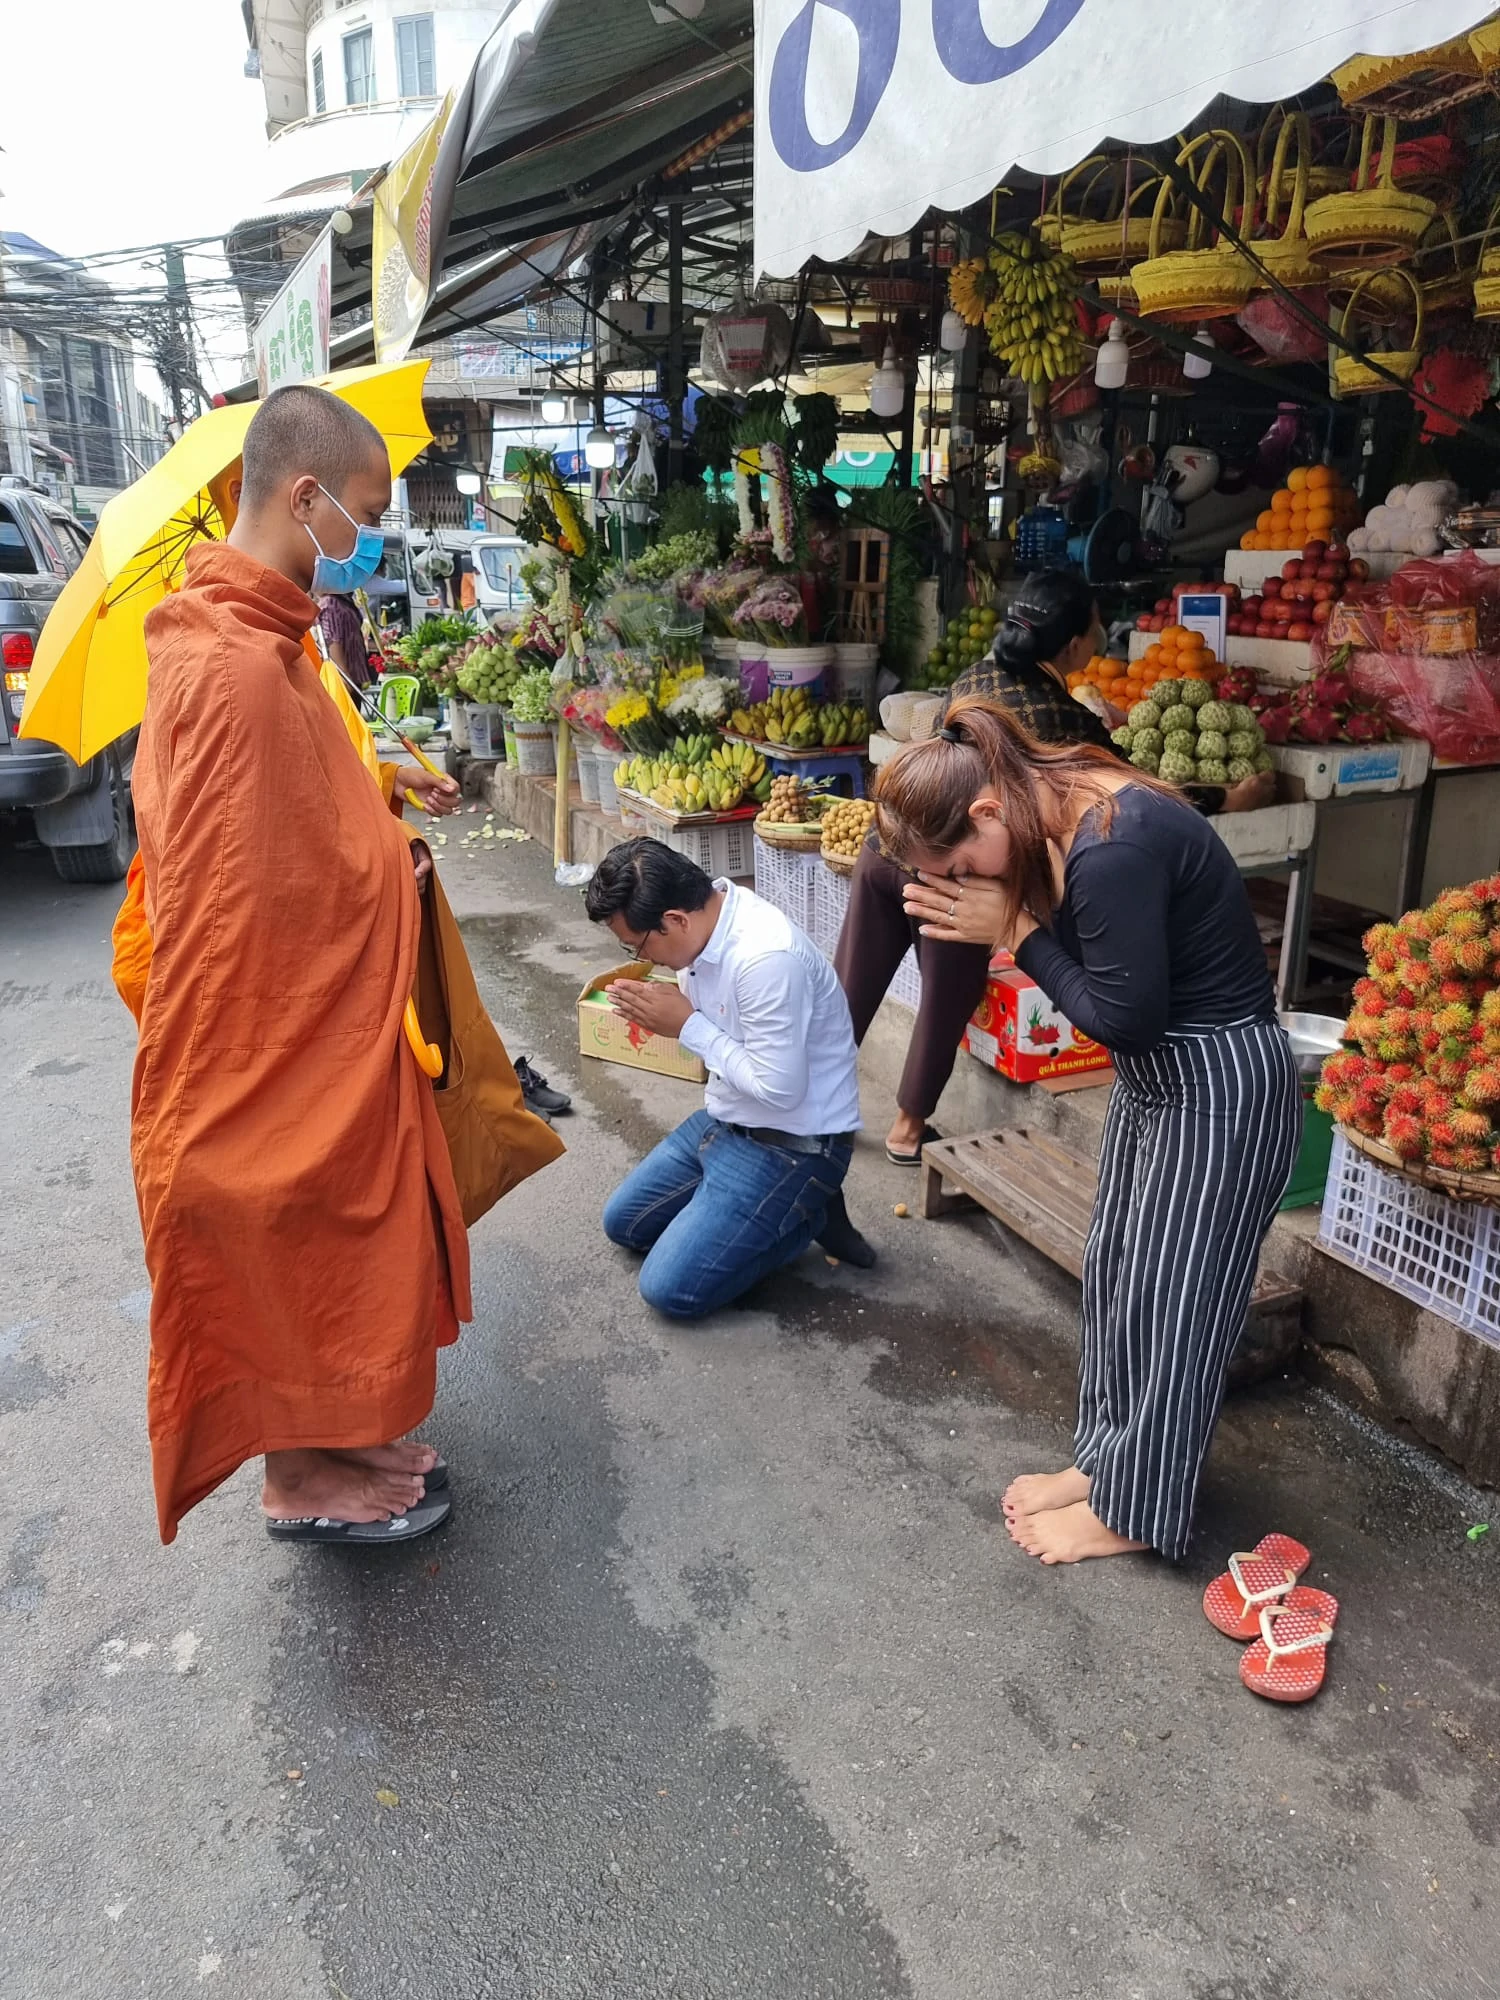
x,y
539,1094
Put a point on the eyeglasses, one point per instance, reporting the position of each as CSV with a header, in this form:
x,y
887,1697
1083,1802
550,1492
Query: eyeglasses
x,y
638,948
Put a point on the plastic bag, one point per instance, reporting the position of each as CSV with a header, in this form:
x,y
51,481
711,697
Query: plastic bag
x,y
1452,702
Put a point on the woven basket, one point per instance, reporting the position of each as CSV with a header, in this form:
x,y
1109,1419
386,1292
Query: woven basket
x,y
792,836
1363,76
1122,236
1467,1187
1374,223
1201,282
1351,375
841,864
1484,45
1487,280
1287,258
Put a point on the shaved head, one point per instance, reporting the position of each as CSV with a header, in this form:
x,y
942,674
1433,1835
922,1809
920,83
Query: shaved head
x,y
301,431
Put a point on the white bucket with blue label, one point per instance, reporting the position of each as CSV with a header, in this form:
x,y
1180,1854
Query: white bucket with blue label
x,y
796,666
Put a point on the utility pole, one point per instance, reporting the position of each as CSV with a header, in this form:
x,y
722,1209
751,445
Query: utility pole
x,y
676,384
173,355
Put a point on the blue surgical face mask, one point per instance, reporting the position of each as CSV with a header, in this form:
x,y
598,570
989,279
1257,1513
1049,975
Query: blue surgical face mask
x,y
343,574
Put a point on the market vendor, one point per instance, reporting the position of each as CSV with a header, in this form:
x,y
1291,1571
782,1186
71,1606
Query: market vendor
x,y
302,1225
747,1183
1051,627
1129,913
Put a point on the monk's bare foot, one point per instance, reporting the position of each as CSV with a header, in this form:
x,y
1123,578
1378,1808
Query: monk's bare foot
x,y
300,1483
1071,1534
402,1456
1037,1492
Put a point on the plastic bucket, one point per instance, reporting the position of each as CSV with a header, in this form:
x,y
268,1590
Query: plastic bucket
x,y
458,724
486,730
588,773
509,722
726,656
536,749
606,763
852,674
755,672
797,666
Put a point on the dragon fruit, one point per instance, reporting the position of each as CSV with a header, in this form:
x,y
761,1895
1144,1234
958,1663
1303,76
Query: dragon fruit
x,y
1317,725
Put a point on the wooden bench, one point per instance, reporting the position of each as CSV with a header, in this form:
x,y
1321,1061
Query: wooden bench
x,y
1045,1193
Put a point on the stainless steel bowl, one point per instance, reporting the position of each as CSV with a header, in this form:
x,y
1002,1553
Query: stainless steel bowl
x,y
1313,1037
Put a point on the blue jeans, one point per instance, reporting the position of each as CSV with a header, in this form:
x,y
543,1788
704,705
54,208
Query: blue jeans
x,y
714,1212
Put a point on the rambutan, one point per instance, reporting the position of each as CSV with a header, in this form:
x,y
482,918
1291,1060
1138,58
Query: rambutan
x,y
1482,1085
1416,926
1440,1132
1379,937
1467,922
1473,955
1444,956
1429,1041
1472,1127
1489,1007
1403,1132
1453,1020
1368,998
1401,1072
1364,1029
1443,1156
1452,990
1420,976
1472,1159
1406,1100
1325,1097
1394,1048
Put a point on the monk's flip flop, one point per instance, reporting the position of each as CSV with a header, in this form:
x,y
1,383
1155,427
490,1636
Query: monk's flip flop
x,y
429,1513
1255,1578
1289,1659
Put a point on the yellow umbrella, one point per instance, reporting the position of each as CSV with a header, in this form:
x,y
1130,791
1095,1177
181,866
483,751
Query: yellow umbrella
x,y
88,682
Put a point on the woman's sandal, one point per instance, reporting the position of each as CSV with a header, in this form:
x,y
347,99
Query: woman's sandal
x,y
1289,1659
1254,1579
929,1133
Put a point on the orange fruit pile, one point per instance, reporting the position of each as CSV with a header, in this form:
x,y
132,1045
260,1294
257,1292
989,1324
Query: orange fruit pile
x,y
1314,506
1179,654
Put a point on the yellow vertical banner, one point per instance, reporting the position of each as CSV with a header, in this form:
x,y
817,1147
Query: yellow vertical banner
x,y
401,240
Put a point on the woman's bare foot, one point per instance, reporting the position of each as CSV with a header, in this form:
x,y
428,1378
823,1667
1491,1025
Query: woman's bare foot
x,y
300,1483
905,1136
401,1456
1037,1492
1070,1535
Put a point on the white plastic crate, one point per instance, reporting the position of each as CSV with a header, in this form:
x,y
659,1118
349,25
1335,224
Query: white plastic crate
x,y
830,902
789,880
724,849
1339,770
1441,1253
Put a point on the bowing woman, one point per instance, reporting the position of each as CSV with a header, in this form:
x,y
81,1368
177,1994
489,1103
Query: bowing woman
x,y
1124,906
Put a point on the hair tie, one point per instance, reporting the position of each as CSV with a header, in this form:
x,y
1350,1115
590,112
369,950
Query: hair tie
x,y
1015,618
949,734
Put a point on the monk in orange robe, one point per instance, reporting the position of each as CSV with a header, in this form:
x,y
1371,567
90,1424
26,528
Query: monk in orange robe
x,y
303,1232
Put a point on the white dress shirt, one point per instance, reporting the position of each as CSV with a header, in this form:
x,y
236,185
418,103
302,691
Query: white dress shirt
x,y
771,1024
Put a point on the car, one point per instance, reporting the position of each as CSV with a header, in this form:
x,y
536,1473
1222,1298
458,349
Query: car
x,y
82,812
497,573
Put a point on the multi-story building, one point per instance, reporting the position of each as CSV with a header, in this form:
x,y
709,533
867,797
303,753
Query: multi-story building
x,y
73,418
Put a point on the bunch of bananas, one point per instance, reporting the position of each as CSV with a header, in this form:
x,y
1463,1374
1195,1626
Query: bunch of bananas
x,y
846,824
973,287
717,782
791,716
694,749
1030,320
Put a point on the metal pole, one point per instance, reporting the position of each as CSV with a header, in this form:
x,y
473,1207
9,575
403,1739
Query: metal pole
x,y
676,370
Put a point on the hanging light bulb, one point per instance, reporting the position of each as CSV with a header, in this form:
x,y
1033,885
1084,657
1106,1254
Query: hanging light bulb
x,y
1112,363
1198,367
888,385
599,449
554,407
955,332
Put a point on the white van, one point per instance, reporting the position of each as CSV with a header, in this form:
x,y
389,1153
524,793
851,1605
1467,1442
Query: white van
x,y
497,563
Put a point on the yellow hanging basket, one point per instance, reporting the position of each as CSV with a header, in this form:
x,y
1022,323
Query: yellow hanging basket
x,y
1287,258
1352,375
1364,76
1121,236
1374,223
1203,281
1484,45
1487,280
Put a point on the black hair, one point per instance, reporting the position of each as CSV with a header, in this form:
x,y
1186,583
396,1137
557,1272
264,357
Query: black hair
x,y
640,880
302,429
1051,608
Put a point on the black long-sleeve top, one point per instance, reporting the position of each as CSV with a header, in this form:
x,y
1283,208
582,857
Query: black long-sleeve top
x,y
1154,932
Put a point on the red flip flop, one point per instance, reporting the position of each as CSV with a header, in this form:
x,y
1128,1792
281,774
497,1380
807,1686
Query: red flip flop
x,y
1289,1659
1255,1578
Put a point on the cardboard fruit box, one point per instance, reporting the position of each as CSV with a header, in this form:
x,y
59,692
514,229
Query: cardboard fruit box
x,y
1017,1030
609,1037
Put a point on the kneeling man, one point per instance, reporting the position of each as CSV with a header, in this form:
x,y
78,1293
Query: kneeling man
x,y
747,1183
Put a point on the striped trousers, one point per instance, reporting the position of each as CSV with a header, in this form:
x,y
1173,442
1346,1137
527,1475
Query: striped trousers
x,y
1199,1144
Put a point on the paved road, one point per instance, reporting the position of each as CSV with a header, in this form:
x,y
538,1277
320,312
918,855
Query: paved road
x,y
724,1681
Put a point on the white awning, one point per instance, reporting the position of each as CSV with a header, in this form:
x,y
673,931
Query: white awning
x,y
870,112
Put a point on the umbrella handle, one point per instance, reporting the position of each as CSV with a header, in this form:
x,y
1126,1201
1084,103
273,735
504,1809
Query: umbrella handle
x,y
429,1056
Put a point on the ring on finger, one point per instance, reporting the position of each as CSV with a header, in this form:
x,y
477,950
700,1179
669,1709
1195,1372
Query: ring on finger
x,y
953,909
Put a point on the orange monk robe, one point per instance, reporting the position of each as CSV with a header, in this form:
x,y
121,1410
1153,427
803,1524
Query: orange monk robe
x,y
303,1234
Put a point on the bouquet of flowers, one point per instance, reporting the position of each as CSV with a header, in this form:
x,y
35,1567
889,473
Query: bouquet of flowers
x,y
773,613
719,593
532,701
701,703
588,707
635,721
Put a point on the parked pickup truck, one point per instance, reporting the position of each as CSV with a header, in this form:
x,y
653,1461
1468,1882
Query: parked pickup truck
x,y
81,812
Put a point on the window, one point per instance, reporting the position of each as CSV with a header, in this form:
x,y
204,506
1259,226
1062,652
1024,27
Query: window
x,y
320,94
16,558
359,68
73,542
414,56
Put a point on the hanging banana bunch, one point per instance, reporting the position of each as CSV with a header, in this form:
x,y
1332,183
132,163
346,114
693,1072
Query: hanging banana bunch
x,y
1030,320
